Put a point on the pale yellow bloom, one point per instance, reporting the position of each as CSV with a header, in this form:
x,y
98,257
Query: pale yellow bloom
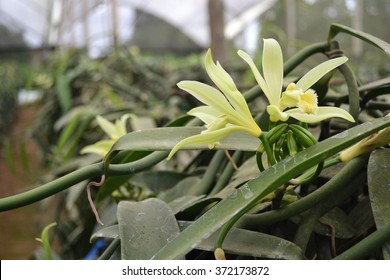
x,y
299,96
378,139
225,111
113,130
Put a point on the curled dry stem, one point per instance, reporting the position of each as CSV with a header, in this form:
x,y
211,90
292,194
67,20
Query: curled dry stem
x,y
94,210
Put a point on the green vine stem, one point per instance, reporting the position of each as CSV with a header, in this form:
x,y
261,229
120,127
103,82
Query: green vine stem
x,y
211,172
51,188
350,171
305,229
353,91
227,173
367,245
338,184
84,173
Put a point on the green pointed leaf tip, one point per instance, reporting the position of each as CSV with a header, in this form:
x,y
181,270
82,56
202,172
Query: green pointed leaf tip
x,y
165,138
45,240
379,43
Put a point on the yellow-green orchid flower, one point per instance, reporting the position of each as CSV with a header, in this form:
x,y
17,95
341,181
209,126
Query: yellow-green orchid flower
x,y
225,112
113,130
378,139
299,96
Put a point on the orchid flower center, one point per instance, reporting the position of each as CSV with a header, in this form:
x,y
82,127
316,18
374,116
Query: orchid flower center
x,y
305,100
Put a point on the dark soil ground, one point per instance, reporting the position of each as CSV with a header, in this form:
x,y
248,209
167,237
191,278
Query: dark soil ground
x,y
20,227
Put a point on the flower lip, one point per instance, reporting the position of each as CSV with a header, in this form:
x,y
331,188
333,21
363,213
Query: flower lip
x,y
308,102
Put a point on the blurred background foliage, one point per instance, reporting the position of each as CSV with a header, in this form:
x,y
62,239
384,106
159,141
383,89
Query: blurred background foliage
x,y
68,87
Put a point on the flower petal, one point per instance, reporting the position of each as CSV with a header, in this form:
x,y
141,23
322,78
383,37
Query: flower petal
x,y
273,69
322,113
108,127
226,84
218,75
260,80
121,124
101,148
210,96
311,77
206,139
276,114
206,114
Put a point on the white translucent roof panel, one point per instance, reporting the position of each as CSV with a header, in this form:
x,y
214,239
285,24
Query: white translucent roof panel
x,y
28,17
62,21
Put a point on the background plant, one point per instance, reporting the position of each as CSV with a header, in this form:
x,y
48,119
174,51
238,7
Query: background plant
x,y
192,197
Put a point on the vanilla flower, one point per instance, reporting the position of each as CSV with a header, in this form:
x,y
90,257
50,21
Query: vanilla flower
x,y
299,100
113,130
225,111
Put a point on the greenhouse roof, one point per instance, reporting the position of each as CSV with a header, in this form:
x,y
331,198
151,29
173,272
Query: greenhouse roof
x,y
89,22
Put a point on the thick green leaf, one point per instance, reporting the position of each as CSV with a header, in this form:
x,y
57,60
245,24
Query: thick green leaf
x,y
184,202
46,242
337,219
145,227
165,138
337,28
9,155
68,132
24,160
64,92
157,181
187,186
379,190
253,244
268,181
361,217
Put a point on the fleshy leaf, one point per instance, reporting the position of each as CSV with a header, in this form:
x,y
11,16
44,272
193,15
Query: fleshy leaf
x,y
145,227
250,243
379,190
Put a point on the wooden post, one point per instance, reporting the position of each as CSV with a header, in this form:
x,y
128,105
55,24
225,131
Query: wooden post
x,y
291,28
357,23
217,29
114,17
86,24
